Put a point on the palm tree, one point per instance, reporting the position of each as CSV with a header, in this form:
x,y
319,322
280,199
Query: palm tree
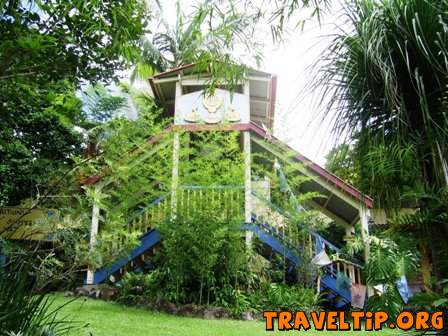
x,y
388,78
207,36
386,73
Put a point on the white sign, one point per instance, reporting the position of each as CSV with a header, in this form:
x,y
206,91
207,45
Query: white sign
x,y
222,107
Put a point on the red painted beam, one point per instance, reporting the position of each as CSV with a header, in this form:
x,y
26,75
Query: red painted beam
x,y
315,168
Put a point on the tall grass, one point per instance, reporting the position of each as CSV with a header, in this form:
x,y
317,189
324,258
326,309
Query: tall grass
x,y
22,310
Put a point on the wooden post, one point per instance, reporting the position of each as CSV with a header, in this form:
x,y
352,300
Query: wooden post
x,y
175,174
364,219
364,214
93,233
175,168
349,230
247,185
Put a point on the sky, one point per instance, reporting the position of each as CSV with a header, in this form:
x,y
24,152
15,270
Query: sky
x,y
297,121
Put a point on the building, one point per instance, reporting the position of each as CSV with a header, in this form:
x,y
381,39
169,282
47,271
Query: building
x,y
249,110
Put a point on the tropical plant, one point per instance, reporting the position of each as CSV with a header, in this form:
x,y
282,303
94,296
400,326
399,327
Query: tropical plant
x,y
341,161
284,12
387,263
126,173
432,300
209,37
23,311
427,221
274,296
47,50
384,76
136,286
100,105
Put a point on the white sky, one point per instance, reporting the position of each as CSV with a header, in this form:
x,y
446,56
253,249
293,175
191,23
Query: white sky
x,y
297,121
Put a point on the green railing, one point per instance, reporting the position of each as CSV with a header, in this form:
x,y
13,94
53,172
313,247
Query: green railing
x,y
224,201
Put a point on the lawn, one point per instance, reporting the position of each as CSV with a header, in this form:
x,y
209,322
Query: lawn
x,y
110,319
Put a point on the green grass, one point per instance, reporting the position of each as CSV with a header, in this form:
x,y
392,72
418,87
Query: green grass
x,y
112,319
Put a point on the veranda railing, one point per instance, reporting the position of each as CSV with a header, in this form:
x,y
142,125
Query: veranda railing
x,y
224,201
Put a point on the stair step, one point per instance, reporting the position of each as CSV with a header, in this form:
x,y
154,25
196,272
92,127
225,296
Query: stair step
x,y
148,241
340,303
331,295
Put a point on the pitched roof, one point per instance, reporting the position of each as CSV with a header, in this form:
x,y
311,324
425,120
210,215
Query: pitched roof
x,y
262,90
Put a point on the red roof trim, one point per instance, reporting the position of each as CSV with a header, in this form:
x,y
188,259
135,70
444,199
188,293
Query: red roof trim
x,y
318,170
173,70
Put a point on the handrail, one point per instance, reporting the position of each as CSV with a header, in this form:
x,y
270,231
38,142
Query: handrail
x,y
348,262
284,213
146,208
218,187
185,187
311,232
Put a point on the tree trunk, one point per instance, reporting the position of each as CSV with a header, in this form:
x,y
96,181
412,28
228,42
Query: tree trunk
x,y
426,267
200,292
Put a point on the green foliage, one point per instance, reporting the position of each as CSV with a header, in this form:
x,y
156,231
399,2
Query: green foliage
x,y
129,168
385,76
389,172
427,227
209,38
390,301
49,41
36,136
47,49
388,261
432,300
285,11
235,299
136,286
22,310
341,161
100,105
196,251
274,296
211,159
387,79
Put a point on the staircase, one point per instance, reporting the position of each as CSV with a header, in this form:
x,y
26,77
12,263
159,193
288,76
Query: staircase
x,y
148,241
143,221
273,237
228,198
269,235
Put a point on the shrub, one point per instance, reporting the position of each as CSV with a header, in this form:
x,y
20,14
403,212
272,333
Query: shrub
x,y
236,300
277,296
134,287
22,311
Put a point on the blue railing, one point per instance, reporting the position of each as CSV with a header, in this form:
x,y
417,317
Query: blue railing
x,y
142,211
288,216
345,266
